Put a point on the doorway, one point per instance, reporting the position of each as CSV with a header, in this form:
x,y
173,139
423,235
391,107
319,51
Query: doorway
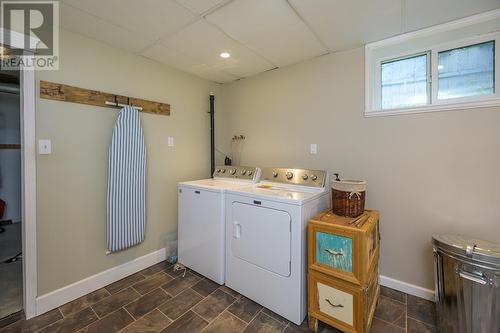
x,y
11,264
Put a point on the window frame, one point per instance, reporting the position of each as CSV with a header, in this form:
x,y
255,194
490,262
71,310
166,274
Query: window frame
x,y
378,87
495,37
373,84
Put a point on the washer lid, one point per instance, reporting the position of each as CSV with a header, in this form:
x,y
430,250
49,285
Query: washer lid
x,y
471,247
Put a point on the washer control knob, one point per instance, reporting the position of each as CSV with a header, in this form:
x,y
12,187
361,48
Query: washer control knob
x,y
243,172
223,170
232,171
249,172
218,170
275,174
289,175
305,177
314,177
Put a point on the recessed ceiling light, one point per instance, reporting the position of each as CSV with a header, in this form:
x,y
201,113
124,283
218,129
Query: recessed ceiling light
x,y
224,55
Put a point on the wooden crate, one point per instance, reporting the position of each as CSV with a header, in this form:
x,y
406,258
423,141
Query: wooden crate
x,y
341,304
340,249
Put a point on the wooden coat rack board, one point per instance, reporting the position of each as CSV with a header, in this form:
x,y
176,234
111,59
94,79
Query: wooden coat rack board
x,y
10,146
65,93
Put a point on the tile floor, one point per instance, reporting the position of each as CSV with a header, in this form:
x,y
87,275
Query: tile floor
x,y
11,274
159,300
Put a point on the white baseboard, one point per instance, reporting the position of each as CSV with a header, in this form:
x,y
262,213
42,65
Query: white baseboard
x,y
80,288
407,288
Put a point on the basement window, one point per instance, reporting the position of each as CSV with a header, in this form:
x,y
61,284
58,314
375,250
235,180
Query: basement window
x,y
466,71
404,82
448,67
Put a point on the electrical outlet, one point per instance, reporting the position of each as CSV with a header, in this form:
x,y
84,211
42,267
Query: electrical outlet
x,y
44,147
314,149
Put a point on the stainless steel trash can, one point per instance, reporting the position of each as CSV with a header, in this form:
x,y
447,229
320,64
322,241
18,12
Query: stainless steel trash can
x,y
467,284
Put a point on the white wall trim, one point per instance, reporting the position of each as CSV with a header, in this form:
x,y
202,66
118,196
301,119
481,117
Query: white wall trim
x,y
436,108
28,189
407,288
80,288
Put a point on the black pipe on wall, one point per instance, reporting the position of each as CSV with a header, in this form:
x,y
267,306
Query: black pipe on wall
x,y
212,134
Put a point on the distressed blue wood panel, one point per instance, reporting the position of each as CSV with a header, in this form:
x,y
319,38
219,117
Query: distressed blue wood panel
x,y
334,251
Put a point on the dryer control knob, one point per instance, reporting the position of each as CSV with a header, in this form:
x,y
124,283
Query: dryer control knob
x,y
232,171
243,172
218,170
305,177
289,175
223,170
275,174
314,177
249,172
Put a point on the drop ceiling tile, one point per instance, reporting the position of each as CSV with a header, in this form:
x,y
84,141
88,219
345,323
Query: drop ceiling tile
x,y
182,62
212,74
153,19
204,42
201,6
345,24
77,21
280,35
170,57
425,13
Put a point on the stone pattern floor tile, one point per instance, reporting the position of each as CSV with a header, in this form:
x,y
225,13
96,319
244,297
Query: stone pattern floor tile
x,y
153,322
72,323
113,322
84,301
422,310
213,305
394,294
124,283
147,303
189,322
226,323
114,302
33,324
415,326
391,311
245,309
180,304
205,287
263,323
157,299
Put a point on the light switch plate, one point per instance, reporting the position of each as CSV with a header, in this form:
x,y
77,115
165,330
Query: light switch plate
x,y
44,147
313,149
170,141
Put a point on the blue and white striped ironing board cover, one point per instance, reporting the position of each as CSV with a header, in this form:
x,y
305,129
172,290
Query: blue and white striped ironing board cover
x,y
126,202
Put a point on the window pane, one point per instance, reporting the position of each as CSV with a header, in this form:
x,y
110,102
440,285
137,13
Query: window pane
x,y
404,82
467,71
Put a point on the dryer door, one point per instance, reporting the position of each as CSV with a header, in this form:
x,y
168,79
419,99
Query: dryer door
x,y
261,236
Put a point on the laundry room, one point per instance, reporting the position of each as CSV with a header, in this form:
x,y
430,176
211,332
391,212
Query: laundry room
x,y
277,166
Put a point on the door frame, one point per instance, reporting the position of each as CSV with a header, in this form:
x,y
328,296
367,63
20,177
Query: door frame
x,y
28,189
27,99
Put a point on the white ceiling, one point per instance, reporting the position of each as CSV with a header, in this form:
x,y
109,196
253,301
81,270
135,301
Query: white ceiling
x,y
259,34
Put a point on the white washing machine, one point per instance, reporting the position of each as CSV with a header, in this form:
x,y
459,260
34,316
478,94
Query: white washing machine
x,y
201,227
266,243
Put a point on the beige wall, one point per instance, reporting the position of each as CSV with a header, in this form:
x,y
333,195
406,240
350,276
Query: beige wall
x,y
427,173
71,192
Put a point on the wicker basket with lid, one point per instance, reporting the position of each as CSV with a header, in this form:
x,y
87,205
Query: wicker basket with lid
x,y
348,197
